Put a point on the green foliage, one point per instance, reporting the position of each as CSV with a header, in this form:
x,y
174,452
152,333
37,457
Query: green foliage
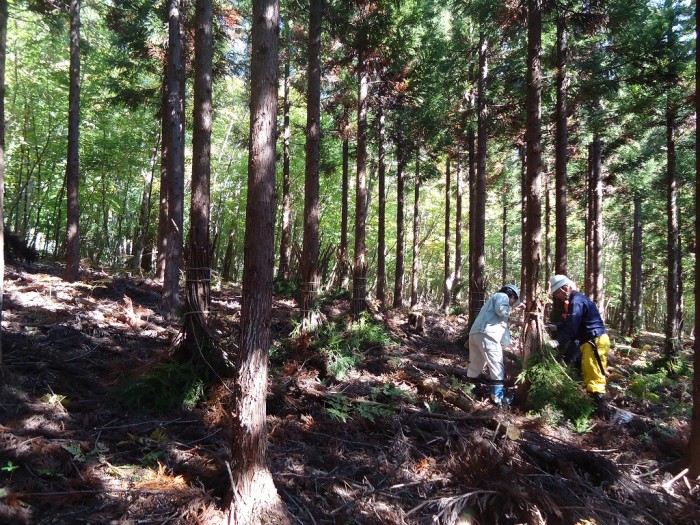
x,y
645,386
9,467
166,386
342,346
342,408
554,393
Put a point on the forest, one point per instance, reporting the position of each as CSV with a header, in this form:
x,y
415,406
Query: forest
x,y
244,244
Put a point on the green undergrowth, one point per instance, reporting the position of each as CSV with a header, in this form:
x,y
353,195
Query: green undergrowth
x,y
662,382
343,346
555,394
166,386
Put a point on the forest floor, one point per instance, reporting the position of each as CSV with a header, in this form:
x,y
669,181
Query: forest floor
x,y
386,445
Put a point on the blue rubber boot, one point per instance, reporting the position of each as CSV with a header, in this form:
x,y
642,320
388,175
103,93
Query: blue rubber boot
x,y
497,394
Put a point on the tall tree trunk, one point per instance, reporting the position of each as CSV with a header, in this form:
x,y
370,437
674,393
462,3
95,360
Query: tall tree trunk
x,y
359,278
198,273
693,453
561,264
477,243
176,161
381,233
547,225
400,227
448,273
673,285
474,303
522,150
597,229
255,500
144,221
343,276
311,245
163,214
635,312
532,251
624,249
457,281
588,259
72,164
504,238
415,262
3,55
286,235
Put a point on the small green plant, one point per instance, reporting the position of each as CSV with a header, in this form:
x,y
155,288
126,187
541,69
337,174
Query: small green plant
x,y
342,409
166,386
461,386
551,387
388,390
339,407
10,467
644,386
343,346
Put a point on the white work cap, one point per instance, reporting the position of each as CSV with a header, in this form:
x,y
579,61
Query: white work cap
x,y
557,282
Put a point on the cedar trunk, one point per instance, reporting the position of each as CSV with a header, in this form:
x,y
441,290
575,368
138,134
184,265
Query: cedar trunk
x,y
415,263
532,251
635,312
3,54
72,167
381,229
448,274
457,281
198,274
254,497
694,441
311,244
561,151
400,228
176,161
673,285
286,234
359,278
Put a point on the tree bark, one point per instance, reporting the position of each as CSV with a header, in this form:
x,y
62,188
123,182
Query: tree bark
x,y
561,265
532,251
359,279
3,55
673,285
635,312
381,233
311,244
477,243
286,234
415,262
400,227
176,161
163,213
198,273
72,164
144,220
255,500
343,276
457,281
597,225
446,296
693,452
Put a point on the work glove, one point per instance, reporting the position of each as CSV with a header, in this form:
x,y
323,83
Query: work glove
x,y
553,343
550,328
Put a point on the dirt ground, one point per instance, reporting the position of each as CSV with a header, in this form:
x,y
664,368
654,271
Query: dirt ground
x,y
388,445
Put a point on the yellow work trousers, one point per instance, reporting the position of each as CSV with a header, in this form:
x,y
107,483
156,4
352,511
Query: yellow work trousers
x,y
593,376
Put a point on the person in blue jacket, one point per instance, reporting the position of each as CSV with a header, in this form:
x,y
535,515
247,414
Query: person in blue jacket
x,y
488,333
582,322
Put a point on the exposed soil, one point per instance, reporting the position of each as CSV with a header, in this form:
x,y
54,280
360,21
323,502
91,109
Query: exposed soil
x,y
399,450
